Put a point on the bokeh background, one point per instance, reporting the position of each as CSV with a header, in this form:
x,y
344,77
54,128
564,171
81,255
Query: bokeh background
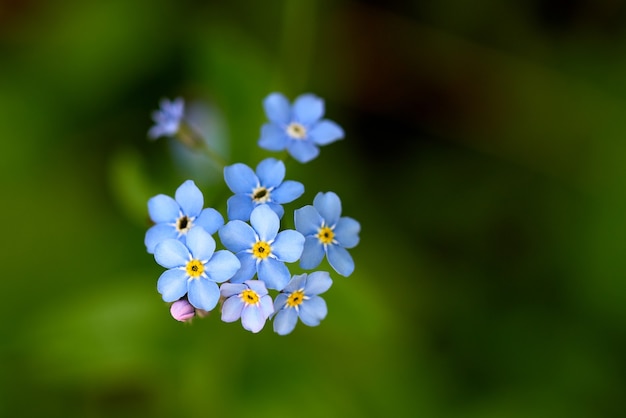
x,y
484,157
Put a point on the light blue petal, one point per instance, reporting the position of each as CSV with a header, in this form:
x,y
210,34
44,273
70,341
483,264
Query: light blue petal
x,y
203,294
325,131
172,284
190,199
308,220
312,254
231,309
297,282
308,109
278,209
222,266
200,243
240,178
279,301
317,282
329,206
277,108
271,172
209,219
171,253
237,236
288,191
252,318
163,209
273,137
302,150
265,222
341,260
258,286
288,245
229,289
239,207
347,232
274,273
247,269
267,306
285,321
157,233
312,311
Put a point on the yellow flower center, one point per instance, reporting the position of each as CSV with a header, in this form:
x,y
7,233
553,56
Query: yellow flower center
x,y
326,235
195,268
296,130
261,250
296,298
260,194
249,297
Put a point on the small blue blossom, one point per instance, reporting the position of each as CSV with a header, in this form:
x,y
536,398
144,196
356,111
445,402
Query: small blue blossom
x,y
168,118
174,218
249,301
300,299
299,128
265,187
327,233
194,269
261,249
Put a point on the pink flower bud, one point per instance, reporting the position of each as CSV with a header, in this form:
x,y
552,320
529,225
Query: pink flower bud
x,y
182,310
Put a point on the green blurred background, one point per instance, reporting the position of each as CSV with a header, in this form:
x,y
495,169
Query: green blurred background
x,y
484,157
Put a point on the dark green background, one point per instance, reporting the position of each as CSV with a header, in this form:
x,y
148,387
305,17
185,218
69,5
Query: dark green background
x,y
484,157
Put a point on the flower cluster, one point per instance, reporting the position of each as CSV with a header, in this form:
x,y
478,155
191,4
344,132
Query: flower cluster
x,y
252,264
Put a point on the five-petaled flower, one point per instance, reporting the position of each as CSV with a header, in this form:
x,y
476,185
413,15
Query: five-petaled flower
x,y
326,232
174,218
266,186
168,118
300,299
249,301
261,248
299,128
194,269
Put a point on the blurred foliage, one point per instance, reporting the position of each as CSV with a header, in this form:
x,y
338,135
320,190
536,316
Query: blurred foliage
x,y
484,158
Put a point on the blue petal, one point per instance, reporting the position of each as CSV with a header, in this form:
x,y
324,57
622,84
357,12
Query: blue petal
x,y
240,178
190,199
239,207
265,222
172,284
278,209
308,220
271,172
157,233
325,131
329,206
274,273
302,150
210,219
222,266
229,289
297,282
203,294
341,260
273,137
231,309
237,236
317,282
252,318
288,191
267,306
308,109
258,286
163,209
279,301
347,232
171,253
247,269
312,311
288,245
200,243
285,321
312,254
277,108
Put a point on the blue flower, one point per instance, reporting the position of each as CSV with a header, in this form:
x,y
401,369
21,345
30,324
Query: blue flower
x,y
300,299
174,218
249,301
167,119
265,187
298,128
194,269
327,233
261,248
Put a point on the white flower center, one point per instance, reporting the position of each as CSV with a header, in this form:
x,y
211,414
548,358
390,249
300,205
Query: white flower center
x,y
296,130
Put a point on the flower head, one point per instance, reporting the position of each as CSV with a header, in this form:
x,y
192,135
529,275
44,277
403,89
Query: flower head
x,y
299,128
194,269
261,248
299,299
249,301
167,119
326,232
174,218
182,310
265,187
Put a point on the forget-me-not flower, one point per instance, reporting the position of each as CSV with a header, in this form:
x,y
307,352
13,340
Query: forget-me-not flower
x,y
265,187
299,128
168,118
174,218
300,299
194,269
249,301
326,232
261,248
